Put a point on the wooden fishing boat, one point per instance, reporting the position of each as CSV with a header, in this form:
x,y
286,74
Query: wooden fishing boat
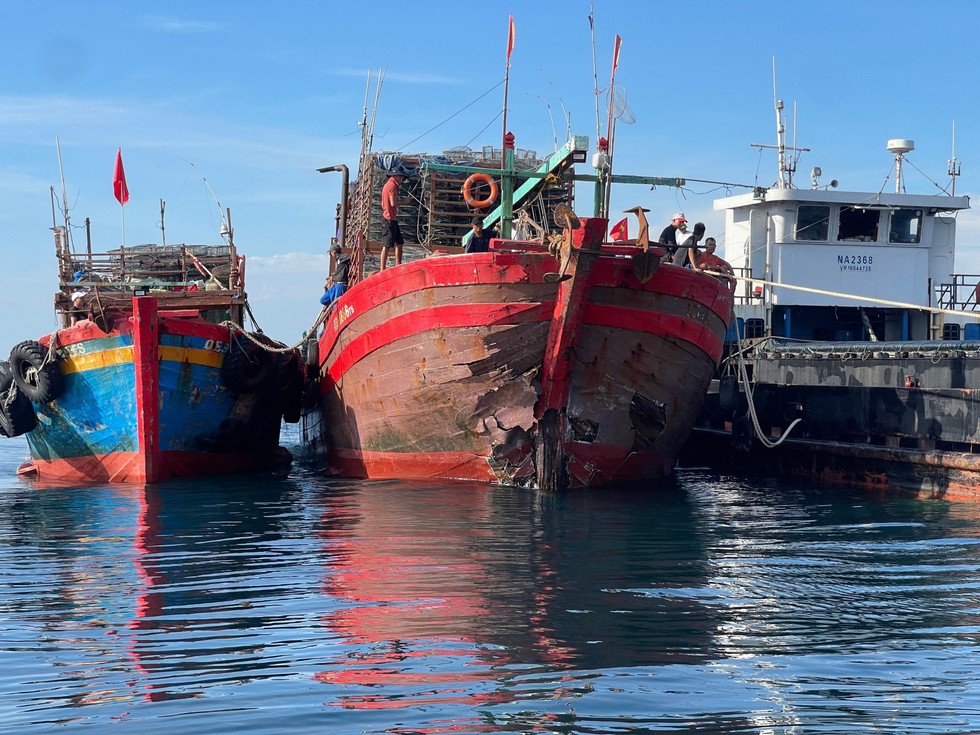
x,y
151,374
557,361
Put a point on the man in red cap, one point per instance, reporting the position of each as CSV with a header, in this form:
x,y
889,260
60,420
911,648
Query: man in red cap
x,y
668,238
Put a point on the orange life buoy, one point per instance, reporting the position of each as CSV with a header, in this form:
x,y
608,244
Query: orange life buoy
x,y
480,203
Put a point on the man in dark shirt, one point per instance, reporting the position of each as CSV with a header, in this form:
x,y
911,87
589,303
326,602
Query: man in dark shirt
x,y
479,238
336,284
668,238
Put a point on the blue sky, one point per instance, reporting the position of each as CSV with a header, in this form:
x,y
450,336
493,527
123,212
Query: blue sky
x,y
258,96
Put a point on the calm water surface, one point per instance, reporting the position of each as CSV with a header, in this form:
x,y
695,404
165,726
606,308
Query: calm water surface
x,y
309,605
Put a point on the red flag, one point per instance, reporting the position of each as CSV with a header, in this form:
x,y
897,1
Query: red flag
x,y
620,230
119,187
510,38
616,53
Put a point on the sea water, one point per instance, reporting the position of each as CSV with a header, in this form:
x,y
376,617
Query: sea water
x,y
304,604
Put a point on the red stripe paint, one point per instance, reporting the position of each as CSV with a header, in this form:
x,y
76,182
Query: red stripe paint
x,y
440,317
81,332
653,322
588,464
185,328
396,465
507,267
457,270
682,283
474,315
171,322
128,466
146,366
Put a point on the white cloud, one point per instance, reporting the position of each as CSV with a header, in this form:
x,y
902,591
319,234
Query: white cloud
x,y
407,78
284,292
284,264
32,110
177,25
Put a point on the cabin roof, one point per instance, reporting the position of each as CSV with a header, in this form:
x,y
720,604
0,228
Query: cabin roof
x,y
940,203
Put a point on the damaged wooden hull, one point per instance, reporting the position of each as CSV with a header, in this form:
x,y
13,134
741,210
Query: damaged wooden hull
x,y
492,366
147,401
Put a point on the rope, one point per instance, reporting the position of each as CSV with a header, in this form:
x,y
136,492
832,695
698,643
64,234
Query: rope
x,y
744,379
451,116
50,355
868,299
239,331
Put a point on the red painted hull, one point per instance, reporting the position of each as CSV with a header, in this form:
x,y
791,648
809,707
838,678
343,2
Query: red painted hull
x,y
479,367
129,467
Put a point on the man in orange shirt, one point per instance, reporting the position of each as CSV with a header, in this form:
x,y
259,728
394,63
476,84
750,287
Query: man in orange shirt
x,y
711,262
392,236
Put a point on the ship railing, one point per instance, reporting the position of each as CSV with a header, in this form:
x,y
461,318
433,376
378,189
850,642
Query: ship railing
x,y
153,267
207,279
747,292
959,295
785,347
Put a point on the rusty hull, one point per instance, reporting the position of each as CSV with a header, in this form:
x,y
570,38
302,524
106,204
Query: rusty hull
x,y
433,370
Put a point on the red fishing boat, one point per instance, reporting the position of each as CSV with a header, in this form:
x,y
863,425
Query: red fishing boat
x,y
554,359
560,361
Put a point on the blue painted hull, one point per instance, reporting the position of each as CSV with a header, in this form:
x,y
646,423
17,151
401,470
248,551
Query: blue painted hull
x,y
92,430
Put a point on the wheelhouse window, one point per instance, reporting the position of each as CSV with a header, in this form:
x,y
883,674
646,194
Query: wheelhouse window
x,y
906,226
812,222
858,225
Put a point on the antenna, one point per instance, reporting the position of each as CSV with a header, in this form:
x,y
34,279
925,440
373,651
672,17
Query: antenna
x,y
163,224
554,132
374,113
780,130
953,166
899,146
363,123
566,113
595,73
792,170
786,168
64,190
225,228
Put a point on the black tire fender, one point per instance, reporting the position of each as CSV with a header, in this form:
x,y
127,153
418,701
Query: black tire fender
x,y
248,367
6,376
16,412
37,377
742,435
290,376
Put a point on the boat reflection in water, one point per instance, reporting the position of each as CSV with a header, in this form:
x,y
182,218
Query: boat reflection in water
x,y
391,607
154,592
458,594
496,585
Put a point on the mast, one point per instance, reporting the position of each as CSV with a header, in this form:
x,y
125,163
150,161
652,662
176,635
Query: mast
x,y
595,75
507,149
953,166
510,48
786,167
611,125
364,125
64,199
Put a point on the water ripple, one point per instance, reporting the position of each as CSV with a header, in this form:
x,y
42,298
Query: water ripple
x,y
311,605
